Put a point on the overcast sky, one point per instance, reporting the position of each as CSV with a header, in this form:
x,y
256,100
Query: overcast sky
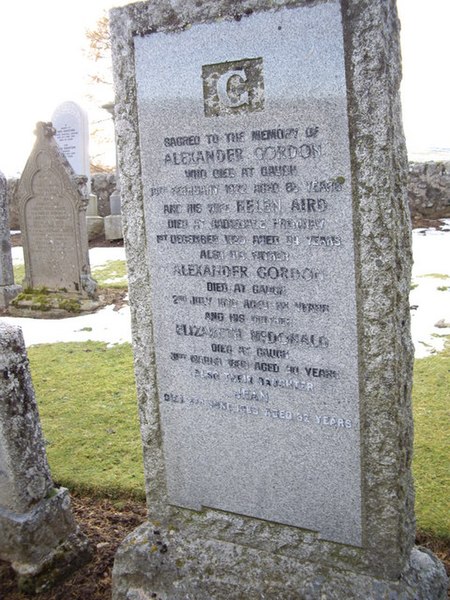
x,y
42,65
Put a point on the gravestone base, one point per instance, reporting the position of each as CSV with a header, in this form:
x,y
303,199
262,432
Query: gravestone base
x,y
44,544
95,227
172,565
8,293
113,227
52,304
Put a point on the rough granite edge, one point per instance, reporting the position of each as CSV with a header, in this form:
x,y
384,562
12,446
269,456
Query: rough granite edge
x,y
384,257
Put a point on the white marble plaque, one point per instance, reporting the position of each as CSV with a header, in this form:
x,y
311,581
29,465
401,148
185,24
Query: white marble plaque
x,y
72,134
247,184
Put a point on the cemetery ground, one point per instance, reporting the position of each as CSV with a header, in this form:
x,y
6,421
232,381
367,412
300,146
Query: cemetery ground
x,y
86,396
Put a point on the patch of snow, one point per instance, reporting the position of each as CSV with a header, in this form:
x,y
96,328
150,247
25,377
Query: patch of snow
x,y
429,305
99,256
17,255
106,325
118,279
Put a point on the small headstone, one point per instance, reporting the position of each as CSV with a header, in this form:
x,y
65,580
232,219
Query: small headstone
x,y
263,174
8,290
38,534
52,208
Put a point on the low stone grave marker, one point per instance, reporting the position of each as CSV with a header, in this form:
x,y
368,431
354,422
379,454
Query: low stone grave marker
x,y
38,534
263,172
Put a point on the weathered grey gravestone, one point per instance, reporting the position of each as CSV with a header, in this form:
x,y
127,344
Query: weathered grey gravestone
x,y
71,123
263,176
38,534
52,209
8,290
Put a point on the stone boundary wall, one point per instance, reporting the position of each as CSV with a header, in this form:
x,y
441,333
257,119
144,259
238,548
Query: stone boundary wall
x,y
428,192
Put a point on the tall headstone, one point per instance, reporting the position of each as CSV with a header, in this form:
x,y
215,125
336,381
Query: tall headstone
x,y
8,290
38,533
263,173
52,209
71,123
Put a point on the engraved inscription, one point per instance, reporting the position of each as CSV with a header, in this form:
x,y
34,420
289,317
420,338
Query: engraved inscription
x,y
51,222
250,235
67,137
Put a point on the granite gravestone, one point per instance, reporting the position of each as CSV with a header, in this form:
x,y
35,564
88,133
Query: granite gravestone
x,y
8,290
262,175
38,534
52,209
72,135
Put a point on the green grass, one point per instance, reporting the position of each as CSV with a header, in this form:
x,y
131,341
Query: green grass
x,y
431,464
443,288
113,274
87,403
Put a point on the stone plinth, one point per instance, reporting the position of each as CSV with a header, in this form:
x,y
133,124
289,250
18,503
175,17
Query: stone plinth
x,y
180,565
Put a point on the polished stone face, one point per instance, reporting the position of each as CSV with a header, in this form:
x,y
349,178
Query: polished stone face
x,y
247,192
